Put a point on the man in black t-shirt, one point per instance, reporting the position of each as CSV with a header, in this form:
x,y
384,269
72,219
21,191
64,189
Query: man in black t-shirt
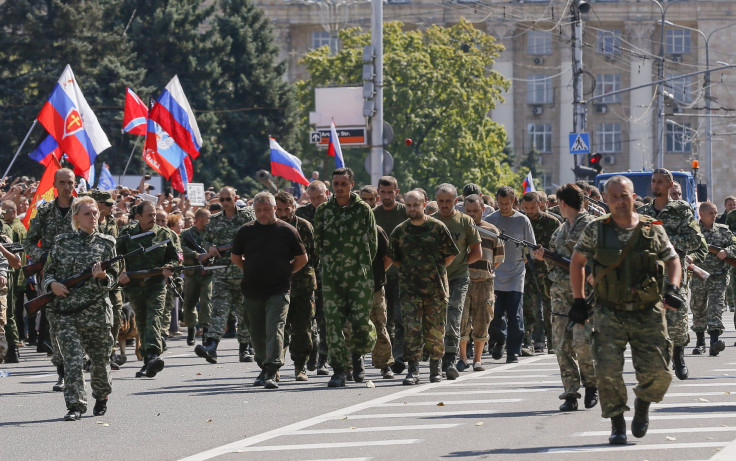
x,y
269,251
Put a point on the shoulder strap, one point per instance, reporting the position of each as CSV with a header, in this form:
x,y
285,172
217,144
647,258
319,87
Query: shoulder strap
x,y
622,256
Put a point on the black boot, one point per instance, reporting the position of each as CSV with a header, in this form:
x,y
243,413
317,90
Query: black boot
x,y
435,374
73,415
13,356
59,386
261,379
699,343
448,364
322,366
358,368
338,378
208,350
412,376
142,372
716,345
190,336
155,365
591,397
678,362
398,367
100,407
570,404
618,430
244,353
640,423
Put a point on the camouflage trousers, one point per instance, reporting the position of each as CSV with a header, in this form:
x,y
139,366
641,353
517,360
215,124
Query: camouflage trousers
x,y
573,348
116,298
226,298
478,311
57,358
381,354
266,318
651,352
458,292
75,340
347,299
708,303
197,289
3,321
677,319
537,314
148,304
424,325
299,326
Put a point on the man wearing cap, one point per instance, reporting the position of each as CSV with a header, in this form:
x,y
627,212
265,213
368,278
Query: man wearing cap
x,y
473,189
684,232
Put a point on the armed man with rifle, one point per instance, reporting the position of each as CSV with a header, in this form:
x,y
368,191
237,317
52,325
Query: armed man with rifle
x,y
197,284
682,229
709,297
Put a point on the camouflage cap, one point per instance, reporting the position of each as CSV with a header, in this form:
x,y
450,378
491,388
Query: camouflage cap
x,y
101,196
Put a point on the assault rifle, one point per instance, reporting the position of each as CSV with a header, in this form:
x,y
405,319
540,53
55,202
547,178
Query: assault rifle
x,y
198,248
715,250
148,273
36,267
13,247
76,280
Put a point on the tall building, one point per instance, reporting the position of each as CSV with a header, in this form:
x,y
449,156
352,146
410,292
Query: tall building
x,y
621,49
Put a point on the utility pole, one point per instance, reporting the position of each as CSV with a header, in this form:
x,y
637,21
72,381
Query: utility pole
x,y
377,119
578,116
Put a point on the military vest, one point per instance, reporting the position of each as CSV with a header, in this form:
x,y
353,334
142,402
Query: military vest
x,y
638,281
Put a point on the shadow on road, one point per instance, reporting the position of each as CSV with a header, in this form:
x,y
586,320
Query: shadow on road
x,y
521,451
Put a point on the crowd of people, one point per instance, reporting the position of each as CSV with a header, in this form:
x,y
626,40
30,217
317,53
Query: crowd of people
x,y
342,272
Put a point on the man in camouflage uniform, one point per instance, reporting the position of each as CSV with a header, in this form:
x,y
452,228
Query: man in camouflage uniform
x,y
573,348
197,284
709,297
83,314
422,248
629,253
303,283
537,312
52,218
226,294
683,231
345,241
4,280
147,296
16,283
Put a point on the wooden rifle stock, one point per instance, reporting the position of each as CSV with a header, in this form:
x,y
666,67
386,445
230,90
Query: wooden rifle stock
x,y
715,250
33,269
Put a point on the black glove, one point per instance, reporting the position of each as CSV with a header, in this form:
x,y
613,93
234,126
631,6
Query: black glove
x,y
672,296
579,311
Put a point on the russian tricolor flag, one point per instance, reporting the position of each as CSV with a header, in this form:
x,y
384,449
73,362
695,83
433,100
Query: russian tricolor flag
x,y
173,113
334,149
48,147
135,115
285,165
528,184
70,121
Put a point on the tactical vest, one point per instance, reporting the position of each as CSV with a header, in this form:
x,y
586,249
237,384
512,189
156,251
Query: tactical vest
x,y
638,281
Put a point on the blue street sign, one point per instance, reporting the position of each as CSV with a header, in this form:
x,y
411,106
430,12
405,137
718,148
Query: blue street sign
x,y
579,143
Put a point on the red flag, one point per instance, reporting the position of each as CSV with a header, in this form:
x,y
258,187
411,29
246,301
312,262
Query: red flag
x,y
136,114
45,191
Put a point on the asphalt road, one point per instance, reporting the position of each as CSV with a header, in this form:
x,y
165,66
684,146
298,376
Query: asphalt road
x,y
197,411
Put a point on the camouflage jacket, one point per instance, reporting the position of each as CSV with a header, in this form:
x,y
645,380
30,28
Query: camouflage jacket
x,y
44,227
108,227
544,225
345,238
18,234
563,243
306,212
4,267
166,254
719,235
221,231
304,282
190,251
730,221
421,252
71,254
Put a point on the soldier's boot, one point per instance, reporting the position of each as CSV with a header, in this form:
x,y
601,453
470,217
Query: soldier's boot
x,y
387,373
618,430
190,336
114,366
13,356
245,353
678,362
155,365
73,415
300,371
449,366
497,350
271,379
322,366
261,379
716,345
338,378
591,397
640,423
412,376
435,374
208,350
142,372
398,367
358,368
59,386
527,349
699,343
312,361
570,404
100,407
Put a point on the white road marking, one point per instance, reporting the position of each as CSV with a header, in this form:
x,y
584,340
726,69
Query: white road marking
x,y
704,384
693,404
678,430
316,446
630,447
697,394
502,383
449,402
426,414
685,416
415,427
492,391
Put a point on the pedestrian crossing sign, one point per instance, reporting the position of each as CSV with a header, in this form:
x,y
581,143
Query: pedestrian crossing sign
x,y
579,143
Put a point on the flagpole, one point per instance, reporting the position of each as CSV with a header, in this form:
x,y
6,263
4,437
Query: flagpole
x,y
120,178
19,149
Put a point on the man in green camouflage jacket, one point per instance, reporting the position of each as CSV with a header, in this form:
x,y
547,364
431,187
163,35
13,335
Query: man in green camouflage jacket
x,y
197,284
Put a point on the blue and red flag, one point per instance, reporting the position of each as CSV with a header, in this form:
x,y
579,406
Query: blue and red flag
x,y
135,115
161,151
528,184
173,113
70,121
45,150
334,149
285,165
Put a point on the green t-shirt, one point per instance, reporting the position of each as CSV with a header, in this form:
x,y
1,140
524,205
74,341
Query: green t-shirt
x,y
464,234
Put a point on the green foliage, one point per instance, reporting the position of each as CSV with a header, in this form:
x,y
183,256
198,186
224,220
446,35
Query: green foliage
x,y
438,92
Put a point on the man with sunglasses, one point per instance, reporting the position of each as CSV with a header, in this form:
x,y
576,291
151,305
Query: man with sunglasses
x,y
226,292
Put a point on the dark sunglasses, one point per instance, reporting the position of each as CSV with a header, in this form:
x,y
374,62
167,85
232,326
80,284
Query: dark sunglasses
x,y
226,199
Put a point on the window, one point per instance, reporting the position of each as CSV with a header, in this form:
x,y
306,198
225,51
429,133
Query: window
x,y
678,138
609,138
538,42
607,83
677,41
540,137
679,88
609,42
323,38
539,90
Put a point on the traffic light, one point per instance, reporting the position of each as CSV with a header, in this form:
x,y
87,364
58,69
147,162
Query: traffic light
x,y
584,172
595,162
369,73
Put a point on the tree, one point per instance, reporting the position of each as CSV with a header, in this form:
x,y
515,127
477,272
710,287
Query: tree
x,y
438,92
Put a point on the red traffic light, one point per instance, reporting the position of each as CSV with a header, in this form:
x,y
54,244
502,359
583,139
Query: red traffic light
x,y
595,159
